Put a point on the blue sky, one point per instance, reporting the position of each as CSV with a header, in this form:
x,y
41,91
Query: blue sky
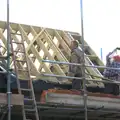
x,y
101,18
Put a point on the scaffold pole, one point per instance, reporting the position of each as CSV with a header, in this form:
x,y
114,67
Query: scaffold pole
x,y
81,78
8,64
77,64
82,38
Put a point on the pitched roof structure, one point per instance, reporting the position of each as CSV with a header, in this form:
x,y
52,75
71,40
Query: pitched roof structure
x,y
51,44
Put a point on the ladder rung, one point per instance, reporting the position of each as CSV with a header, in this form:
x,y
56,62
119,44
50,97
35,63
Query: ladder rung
x,y
3,72
30,110
18,42
3,57
21,60
15,33
23,70
92,56
19,51
23,89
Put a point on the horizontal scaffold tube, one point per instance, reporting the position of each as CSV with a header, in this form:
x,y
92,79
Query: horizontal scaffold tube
x,y
80,78
3,72
77,64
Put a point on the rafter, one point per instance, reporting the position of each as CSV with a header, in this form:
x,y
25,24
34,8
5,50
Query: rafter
x,y
35,52
45,43
41,44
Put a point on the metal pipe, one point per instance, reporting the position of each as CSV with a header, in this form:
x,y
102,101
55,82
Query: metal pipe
x,y
101,53
60,107
81,78
60,76
68,107
103,81
83,69
3,72
59,62
77,64
8,64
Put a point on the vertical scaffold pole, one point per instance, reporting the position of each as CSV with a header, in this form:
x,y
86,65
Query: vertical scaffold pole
x,y
84,81
8,64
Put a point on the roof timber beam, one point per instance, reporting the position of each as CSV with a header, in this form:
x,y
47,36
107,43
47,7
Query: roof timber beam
x,y
63,44
56,49
35,52
57,67
66,38
33,69
4,40
17,48
92,72
35,38
58,46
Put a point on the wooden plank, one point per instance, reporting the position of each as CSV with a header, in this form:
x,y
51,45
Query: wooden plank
x,y
35,52
16,99
50,57
59,54
2,37
63,44
20,66
34,39
17,48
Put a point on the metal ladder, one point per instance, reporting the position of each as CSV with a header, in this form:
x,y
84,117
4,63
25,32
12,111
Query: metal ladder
x,y
30,105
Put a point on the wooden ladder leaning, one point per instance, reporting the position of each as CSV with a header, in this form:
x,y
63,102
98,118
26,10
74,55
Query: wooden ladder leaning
x,y
30,105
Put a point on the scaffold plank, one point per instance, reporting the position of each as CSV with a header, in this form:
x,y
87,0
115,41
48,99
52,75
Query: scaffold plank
x,y
16,99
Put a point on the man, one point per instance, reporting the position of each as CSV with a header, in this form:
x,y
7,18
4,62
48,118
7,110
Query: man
x,y
76,71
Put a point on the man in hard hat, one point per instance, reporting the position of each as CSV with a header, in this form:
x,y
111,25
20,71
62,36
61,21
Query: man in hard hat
x,y
76,71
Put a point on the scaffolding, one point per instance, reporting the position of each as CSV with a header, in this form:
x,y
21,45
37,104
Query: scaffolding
x,y
83,65
8,66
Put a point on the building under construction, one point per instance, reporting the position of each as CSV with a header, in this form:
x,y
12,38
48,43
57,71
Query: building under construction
x,y
34,84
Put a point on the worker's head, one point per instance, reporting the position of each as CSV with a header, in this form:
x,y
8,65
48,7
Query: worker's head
x,y
74,44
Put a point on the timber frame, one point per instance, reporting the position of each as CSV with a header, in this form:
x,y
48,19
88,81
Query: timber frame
x,y
45,43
